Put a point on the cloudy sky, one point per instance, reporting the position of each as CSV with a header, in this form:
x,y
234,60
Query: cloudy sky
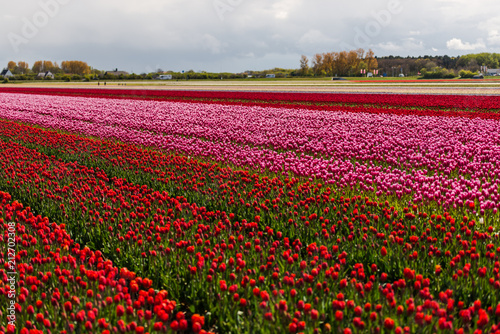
x,y
238,35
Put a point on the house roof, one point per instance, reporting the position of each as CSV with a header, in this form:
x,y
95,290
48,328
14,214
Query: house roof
x,y
44,74
117,73
5,71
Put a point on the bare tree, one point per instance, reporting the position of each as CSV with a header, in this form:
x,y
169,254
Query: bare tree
x,y
317,63
304,65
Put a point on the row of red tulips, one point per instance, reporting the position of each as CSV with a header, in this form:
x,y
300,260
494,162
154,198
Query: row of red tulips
x,y
268,254
415,102
63,287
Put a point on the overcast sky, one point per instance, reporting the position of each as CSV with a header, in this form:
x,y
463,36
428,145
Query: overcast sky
x,y
238,35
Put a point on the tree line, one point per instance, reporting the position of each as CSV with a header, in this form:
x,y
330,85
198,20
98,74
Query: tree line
x,y
69,67
75,70
433,65
349,63
343,63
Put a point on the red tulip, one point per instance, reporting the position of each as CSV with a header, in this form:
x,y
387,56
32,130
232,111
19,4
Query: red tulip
x,y
120,310
383,251
388,323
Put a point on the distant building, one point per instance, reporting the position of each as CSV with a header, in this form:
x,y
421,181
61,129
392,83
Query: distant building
x,y
165,77
493,71
6,73
46,75
270,75
116,73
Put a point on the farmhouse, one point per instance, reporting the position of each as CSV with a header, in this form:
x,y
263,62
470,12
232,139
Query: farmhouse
x,y
6,73
46,75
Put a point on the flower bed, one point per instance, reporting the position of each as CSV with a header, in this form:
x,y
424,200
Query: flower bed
x,y
239,249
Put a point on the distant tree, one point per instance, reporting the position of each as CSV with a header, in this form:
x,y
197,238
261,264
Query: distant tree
x,y
429,65
342,63
360,53
23,67
466,74
362,65
487,59
447,61
317,64
473,65
437,73
334,67
56,69
419,64
328,66
371,61
48,66
11,65
304,65
37,66
75,67
353,62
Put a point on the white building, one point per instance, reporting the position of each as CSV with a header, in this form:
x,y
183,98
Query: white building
x,y
165,77
6,73
493,71
46,75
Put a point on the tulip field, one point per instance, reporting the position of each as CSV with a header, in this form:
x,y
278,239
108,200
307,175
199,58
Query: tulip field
x,y
143,211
